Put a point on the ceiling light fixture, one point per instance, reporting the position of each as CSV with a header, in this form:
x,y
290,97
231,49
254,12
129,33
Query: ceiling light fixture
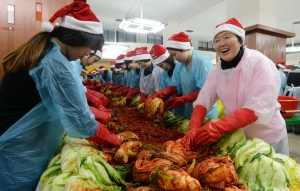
x,y
141,25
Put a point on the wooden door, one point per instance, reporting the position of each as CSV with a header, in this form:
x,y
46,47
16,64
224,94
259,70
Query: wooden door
x,y
25,25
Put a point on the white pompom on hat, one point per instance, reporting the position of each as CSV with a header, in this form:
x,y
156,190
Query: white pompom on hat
x,y
232,25
179,41
76,16
99,53
158,53
141,54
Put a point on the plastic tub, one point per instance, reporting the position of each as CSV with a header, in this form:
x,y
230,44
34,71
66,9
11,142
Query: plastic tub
x,y
288,103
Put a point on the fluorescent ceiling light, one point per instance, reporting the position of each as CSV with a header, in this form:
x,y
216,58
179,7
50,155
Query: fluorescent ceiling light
x,y
141,25
115,47
292,49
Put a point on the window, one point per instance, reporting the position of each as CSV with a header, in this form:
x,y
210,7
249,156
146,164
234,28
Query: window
x,y
206,46
154,39
121,36
109,35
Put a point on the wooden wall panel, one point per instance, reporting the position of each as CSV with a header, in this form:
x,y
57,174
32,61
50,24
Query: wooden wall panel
x,y
25,21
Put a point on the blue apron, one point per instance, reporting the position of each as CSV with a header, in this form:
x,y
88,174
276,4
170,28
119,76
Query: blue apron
x,y
193,81
174,80
27,146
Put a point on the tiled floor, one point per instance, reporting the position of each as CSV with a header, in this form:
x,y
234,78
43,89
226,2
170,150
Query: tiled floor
x,y
294,146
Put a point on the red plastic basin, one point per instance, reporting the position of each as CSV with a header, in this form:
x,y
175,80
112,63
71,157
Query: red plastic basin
x,y
288,103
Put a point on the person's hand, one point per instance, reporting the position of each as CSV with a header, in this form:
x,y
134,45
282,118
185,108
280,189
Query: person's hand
x,y
212,131
207,134
102,116
104,137
196,120
176,102
131,94
189,140
164,93
143,98
125,91
105,101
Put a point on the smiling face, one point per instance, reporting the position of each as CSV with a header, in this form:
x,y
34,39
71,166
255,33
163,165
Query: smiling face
x,y
143,64
227,45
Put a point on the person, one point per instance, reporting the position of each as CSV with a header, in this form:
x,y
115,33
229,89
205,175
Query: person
x,y
193,73
247,83
170,76
83,74
105,75
41,97
150,78
135,82
97,101
128,73
282,75
120,72
286,71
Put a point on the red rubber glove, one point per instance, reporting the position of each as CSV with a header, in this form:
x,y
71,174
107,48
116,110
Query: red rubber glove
x,y
132,93
100,96
122,88
106,84
115,86
212,131
104,137
94,101
143,98
166,92
125,91
196,121
176,102
102,116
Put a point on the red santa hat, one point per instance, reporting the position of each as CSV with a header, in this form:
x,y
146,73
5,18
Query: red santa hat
x,y
84,70
141,54
158,53
112,64
129,55
281,66
120,59
179,41
101,68
99,53
232,25
76,16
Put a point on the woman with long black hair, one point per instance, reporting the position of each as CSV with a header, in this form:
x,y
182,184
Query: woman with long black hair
x,y
41,97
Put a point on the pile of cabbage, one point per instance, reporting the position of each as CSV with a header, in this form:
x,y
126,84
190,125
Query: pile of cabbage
x,y
257,164
78,165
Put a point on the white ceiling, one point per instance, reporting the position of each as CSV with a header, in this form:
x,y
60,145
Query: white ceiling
x,y
201,16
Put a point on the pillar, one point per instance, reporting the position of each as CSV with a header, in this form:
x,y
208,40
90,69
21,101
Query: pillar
x,y
253,12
